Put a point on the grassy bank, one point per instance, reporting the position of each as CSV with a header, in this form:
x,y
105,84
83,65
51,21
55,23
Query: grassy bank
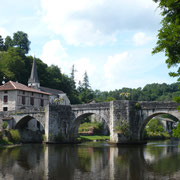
x,y
9,137
93,138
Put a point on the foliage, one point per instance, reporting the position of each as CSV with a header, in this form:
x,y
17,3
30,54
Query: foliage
x,y
169,34
137,106
4,125
122,127
155,129
95,128
14,136
176,132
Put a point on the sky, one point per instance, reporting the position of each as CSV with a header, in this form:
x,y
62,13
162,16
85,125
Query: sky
x,y
111,40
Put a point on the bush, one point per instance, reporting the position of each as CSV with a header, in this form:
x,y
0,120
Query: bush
x,y
4,125
14,136
176,132
122,127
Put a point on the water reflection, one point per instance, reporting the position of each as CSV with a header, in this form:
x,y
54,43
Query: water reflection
x,y
159,160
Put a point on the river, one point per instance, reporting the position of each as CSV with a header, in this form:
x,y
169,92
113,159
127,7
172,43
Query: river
x,y
91,161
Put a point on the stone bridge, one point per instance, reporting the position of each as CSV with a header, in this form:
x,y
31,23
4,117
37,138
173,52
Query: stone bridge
x,y
61,122
136,114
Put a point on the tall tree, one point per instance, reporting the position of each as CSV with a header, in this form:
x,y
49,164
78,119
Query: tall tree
x,y
169,34
85,83
20,39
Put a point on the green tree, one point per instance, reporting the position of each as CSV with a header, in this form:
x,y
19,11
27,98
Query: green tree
x,y
169,34
8,42
20,39
176,132
2,46
85,83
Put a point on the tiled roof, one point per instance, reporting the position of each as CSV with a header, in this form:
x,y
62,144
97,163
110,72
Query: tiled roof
x,y
51,91
10,85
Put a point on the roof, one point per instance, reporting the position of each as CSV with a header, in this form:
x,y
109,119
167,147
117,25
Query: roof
x,y
10,85
34,76
51,91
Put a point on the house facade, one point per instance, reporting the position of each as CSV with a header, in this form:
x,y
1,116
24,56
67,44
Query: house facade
x,y
14,96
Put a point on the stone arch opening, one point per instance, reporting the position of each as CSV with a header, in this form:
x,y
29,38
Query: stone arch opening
x,y
31,130
167,116
79,119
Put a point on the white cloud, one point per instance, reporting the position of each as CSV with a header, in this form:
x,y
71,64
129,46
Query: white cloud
x,y
132,69
3,32
93,22
53,53
141,39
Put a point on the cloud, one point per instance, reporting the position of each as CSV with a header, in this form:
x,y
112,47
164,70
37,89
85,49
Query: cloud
x,y
141,39
133,68
91,22
53,53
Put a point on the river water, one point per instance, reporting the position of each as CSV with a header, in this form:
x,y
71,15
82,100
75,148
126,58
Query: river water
x,y
91,161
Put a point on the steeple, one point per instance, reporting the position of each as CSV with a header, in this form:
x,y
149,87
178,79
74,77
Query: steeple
x,y
33,80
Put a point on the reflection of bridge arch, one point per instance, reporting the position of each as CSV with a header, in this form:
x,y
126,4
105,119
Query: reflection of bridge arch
x,y
148,118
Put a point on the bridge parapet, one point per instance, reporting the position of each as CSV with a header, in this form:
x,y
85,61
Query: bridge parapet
x,y
22,111
91,106
158,105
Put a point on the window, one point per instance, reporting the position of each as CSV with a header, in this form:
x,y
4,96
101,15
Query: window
x,y
23,92
41,95
32,93
5,99
23,100
32,101
5,108
5,92
42,102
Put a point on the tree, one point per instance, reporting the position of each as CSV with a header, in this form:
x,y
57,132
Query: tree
x,y
8,42
169,34
2,46
20,39
85,83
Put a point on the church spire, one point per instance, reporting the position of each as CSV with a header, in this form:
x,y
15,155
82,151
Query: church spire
x,y
33,80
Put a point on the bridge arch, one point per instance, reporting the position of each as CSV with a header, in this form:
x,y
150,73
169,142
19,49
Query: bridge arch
x,y
30,129
148,118
80,116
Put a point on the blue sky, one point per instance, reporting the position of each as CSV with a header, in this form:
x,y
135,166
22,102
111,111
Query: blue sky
x,y
111,40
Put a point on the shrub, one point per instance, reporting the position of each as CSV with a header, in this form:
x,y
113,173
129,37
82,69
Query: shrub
x,y
4,125
122,127
176,132
14,136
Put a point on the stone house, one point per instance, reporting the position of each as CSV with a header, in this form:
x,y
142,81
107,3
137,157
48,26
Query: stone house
x,y
14,96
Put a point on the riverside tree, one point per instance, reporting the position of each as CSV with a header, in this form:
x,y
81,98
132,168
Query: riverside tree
x,y
169,34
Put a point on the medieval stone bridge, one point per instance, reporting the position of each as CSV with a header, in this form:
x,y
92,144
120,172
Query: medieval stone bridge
x,y
61,122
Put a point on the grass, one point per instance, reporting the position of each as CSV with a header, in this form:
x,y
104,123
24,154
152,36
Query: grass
x,y
93,138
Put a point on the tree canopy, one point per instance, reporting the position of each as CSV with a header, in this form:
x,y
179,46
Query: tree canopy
x,y
169,34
